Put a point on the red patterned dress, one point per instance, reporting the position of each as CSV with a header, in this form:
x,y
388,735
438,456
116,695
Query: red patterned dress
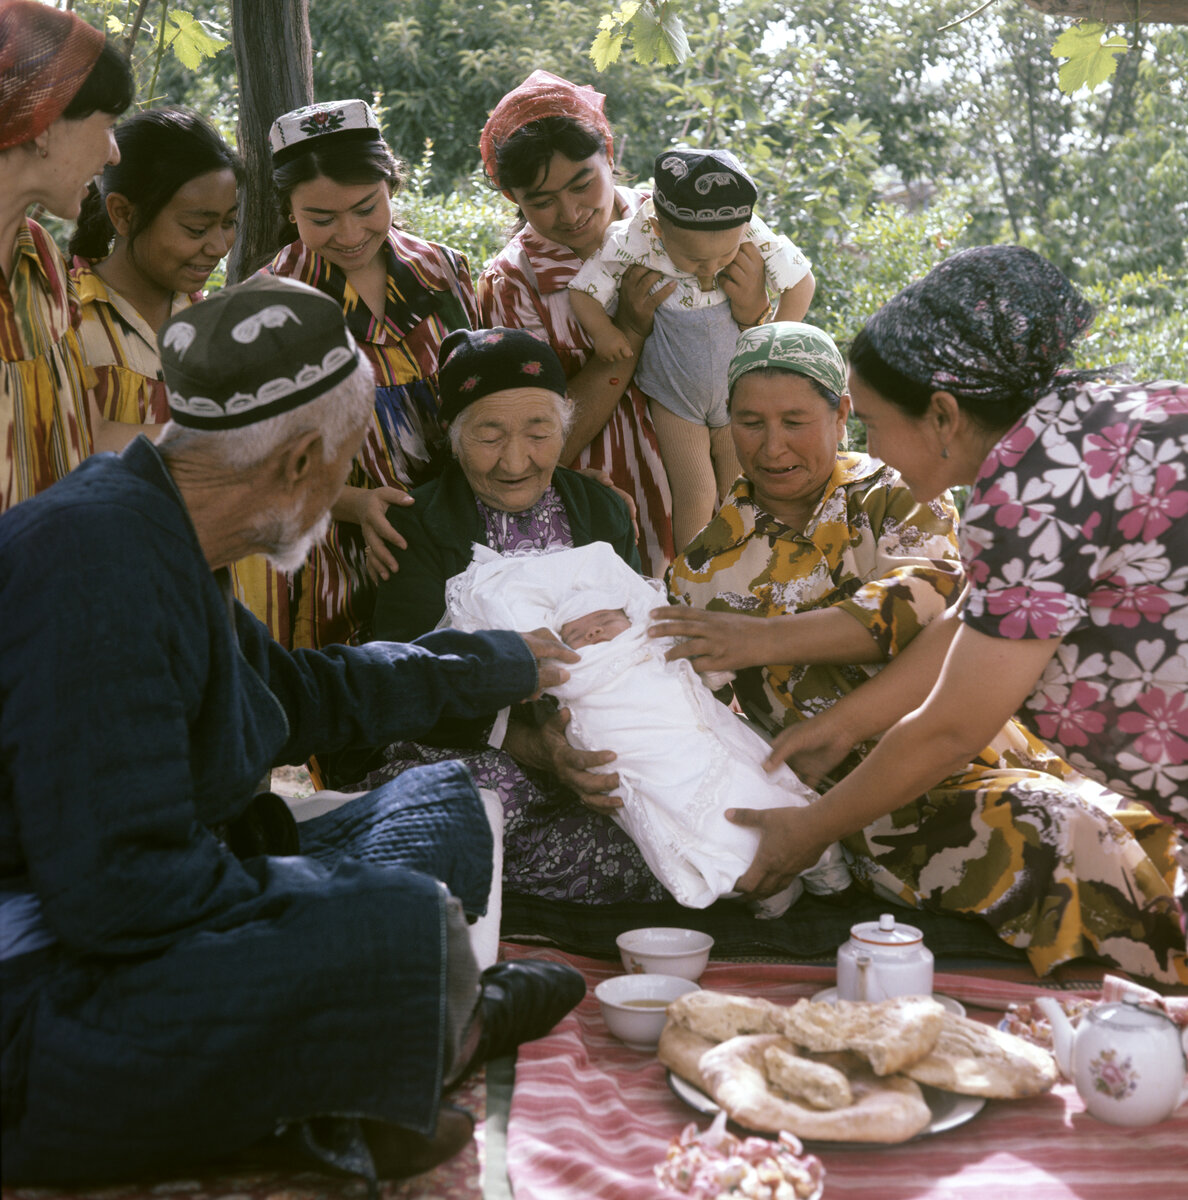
x,y
526,287
429,295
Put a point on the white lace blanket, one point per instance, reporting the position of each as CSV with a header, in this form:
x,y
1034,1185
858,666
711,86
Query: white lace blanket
x,y
682,757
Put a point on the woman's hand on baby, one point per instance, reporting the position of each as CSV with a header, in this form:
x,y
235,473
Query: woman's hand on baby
x,y
788,844
745,283
638,302
811,748
548,652
712,641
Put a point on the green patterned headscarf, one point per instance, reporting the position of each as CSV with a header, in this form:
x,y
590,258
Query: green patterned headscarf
x,y
789,346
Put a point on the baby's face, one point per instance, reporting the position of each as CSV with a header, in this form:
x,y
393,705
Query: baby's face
x,y
701,252
594,627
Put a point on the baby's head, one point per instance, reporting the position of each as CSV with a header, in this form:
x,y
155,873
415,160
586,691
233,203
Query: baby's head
x,y
704,202
593,627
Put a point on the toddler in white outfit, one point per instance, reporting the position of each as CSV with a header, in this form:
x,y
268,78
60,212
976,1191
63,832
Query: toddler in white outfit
x,y
691,231
682,757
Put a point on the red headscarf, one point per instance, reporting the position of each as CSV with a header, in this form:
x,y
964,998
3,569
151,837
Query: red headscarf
x,y
45,56
542,94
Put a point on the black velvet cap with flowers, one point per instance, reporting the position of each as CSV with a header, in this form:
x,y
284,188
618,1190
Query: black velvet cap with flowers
x,y
473,363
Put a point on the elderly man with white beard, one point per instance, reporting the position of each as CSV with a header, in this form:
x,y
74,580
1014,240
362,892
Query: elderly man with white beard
x,y
185,973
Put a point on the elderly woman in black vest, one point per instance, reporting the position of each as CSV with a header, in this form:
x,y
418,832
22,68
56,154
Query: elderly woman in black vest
x,y
502,394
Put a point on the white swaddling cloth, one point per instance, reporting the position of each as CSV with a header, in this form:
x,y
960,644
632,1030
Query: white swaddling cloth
x,y
682,757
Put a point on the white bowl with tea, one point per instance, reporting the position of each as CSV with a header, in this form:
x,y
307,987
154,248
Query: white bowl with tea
x,y
635,1007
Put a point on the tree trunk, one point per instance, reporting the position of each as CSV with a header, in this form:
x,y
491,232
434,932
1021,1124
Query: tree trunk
x,y
1110,12
274,63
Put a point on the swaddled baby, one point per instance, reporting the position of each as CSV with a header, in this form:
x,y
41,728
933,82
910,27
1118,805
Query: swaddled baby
x,y
682,757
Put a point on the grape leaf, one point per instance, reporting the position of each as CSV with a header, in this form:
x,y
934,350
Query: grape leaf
x,y
606,49
1091,61
192,42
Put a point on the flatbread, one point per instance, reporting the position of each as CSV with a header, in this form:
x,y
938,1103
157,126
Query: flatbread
x,y
680,1050
722,1015
890,1035
816,1083
978,1060
884,1110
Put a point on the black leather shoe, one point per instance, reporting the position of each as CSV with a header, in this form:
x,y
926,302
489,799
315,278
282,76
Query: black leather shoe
x,y
522,1001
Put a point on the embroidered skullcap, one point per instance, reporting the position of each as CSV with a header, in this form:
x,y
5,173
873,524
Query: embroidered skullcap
x,y
789,346
253,351
45,57
992,324
312,127
476,362
703,189
542,94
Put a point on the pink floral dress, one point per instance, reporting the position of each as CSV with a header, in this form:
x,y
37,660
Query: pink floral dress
x,y
1076,529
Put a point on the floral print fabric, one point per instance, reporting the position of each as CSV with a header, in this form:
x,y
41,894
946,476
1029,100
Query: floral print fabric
x,y
1076,529
1058,865
869,549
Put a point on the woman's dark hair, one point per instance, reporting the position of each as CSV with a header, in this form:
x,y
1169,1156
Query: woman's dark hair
x,y
161,150
345,161
109,88
524,157
827,394
914,398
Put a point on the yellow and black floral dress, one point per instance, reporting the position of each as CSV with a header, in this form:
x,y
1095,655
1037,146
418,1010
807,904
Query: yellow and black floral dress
x,y
1057,864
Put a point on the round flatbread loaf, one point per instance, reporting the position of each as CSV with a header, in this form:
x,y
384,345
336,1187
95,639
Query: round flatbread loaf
x,y
817,1083
978,1060
680,1050
889,1034
721,1015
884,1110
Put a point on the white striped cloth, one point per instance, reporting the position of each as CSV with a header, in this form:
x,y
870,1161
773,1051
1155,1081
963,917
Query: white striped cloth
x,y
590,1118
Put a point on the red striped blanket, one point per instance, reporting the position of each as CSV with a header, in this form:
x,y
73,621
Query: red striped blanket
x,y
590,1118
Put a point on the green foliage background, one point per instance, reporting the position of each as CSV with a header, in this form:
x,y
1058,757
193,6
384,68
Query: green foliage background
x,y
879,142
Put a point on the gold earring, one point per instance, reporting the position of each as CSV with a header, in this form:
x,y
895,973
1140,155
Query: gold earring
x,y
292,218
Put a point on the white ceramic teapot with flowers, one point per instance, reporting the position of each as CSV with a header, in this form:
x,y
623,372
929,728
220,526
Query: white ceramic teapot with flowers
x,y
1128,1061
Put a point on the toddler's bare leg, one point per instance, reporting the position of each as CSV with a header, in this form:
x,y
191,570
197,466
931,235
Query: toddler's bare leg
x,y
685,452
726,465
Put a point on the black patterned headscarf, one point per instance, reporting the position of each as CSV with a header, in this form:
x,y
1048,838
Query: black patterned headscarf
x,y
992,325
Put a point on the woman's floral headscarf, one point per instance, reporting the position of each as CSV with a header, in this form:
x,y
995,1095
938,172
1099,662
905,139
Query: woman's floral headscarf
x,y
542,94
789,346
993,324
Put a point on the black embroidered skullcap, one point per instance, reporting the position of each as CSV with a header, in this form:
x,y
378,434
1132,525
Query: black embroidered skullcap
x,y
992,325
476,362
253,351
703,189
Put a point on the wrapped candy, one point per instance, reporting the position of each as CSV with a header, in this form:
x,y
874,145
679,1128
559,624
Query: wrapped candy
x,y
717,1165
